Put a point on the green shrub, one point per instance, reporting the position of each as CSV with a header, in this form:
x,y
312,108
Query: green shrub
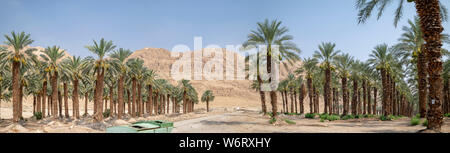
x,y
106,113
417,115
310,115
322,120
447,115
425,123
271,114
38,115
289,121
333,117
385,118
415,121
272,120
346,117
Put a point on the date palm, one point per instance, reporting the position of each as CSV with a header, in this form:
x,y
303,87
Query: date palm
x,y
343,64
411,45
381,59
101,49
326,55
52,56
431,13
74,67
17,56
207,97
309,67
272,34
119,58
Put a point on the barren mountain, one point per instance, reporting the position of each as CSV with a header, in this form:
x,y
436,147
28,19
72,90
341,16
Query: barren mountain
x,y
229,93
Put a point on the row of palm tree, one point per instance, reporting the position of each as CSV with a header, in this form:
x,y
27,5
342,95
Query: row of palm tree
x,y
427,50
52,78
386,70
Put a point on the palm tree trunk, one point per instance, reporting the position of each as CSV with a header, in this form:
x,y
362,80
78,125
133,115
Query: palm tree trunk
x,y
54,81
430,20
354,97
295,102
327,90
375,92
133,92
60,104
38,103
422,82
384,82
364,84
139,99
111,102
168,102
44,94
262,95
283,101
129,102
66,100
75,100
150,100
207,104
120,110
15,90
302,96
310,94
316,101
292,102
98,116
86,99
34,104
344,95
369,97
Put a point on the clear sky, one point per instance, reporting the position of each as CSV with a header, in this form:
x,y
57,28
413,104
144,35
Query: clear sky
x,y
137,24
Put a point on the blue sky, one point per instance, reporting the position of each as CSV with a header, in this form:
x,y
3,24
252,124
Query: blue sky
x,y
137,24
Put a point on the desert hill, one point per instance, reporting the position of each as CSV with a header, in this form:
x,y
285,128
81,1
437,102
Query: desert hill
x,y
229,93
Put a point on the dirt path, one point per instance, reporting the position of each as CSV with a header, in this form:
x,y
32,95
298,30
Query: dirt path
x,y
253,122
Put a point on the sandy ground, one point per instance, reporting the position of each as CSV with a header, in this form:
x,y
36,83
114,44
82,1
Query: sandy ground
x,y
221,120
225,117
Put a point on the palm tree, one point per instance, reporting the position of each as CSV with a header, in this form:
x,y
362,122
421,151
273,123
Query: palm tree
x,y
271,34
17,58
74,66
207,97
258,80
381,59
431,13
411,43
137,71
149,77
119,57
100,49
52,56
343,64
326,54
309,67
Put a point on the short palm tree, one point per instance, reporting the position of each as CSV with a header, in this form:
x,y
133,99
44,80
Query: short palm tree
x,y
207,97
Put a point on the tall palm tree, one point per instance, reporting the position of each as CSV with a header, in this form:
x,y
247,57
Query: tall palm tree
x,y
52,56
207,97
381,59
101,49
120,58
74,66
411,44
17,57
149,77
309,67
137,71
343,64
271,34
431,14
326,54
